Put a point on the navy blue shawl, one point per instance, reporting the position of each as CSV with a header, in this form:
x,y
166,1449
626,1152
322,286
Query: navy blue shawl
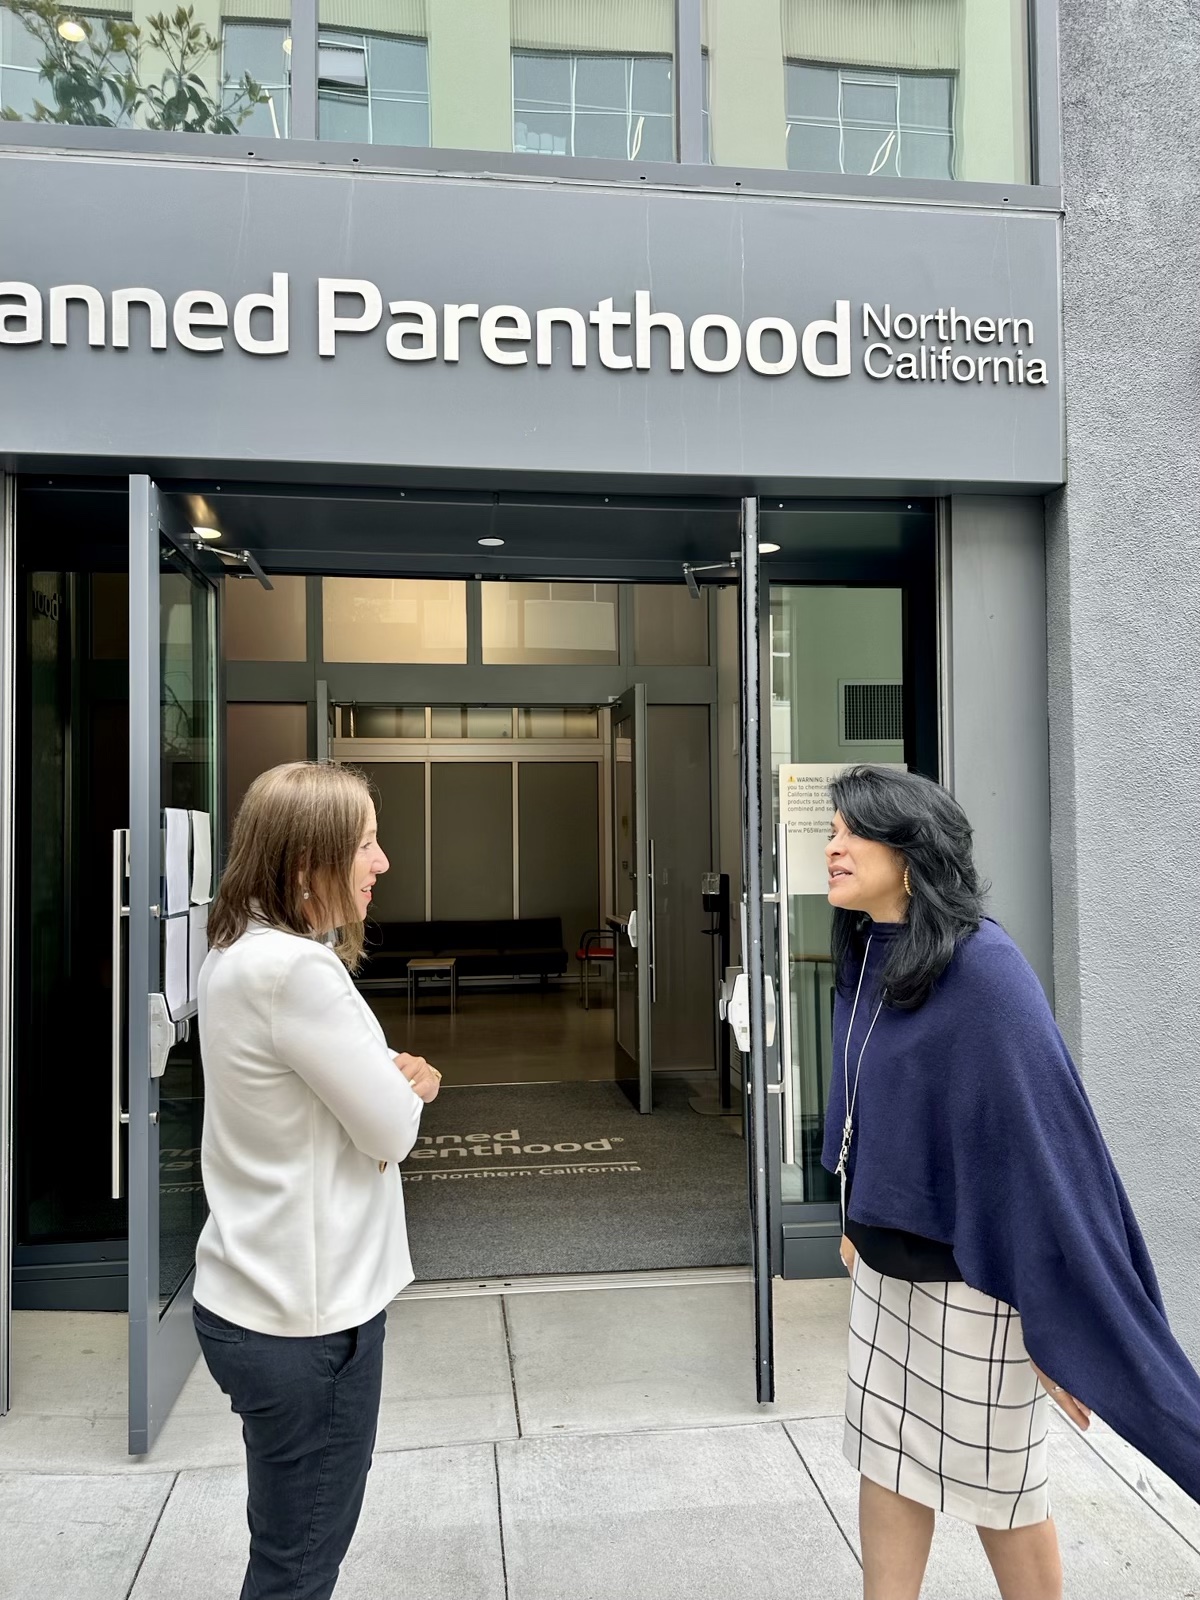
x,y
972,1127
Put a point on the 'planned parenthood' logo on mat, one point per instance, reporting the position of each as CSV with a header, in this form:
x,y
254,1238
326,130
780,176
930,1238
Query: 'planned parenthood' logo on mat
x,y
507,1155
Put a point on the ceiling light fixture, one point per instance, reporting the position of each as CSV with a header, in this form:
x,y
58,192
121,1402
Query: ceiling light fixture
x,y
491,544
207,533
70,30
768,549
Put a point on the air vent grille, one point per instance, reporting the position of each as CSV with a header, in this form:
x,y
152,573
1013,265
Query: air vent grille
x,y
872,713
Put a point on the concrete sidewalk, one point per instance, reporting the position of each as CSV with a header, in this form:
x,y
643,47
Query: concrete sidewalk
x,y
538,1447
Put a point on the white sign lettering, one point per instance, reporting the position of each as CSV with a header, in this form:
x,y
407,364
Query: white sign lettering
x,y
928,346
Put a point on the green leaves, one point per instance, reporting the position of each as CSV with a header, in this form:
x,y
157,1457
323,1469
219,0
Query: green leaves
x,y
105,79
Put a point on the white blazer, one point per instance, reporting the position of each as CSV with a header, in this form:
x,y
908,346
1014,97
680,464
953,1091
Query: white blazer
x,y
303,1101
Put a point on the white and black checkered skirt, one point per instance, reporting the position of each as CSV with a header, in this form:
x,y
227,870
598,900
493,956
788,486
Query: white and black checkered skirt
x,y
942,1404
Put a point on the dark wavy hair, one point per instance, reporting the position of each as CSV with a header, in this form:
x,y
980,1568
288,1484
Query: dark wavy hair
x,y
926,825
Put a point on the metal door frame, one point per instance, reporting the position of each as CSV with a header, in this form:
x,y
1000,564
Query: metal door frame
x,y
763,1084
8,621
632,706
162,1345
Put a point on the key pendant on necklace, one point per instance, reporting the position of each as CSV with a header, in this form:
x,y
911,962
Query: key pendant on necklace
x,y
847,1136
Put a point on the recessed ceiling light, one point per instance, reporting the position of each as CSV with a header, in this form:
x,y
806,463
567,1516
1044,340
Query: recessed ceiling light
x,y
768,549
70,30
207,533
491,544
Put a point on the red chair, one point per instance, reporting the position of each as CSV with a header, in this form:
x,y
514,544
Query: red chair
x,y
599,945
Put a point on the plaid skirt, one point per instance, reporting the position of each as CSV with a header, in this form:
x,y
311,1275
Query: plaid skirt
x,y
942,1403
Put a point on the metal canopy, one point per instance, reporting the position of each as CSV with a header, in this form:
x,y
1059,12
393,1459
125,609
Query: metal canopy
x,y
334,530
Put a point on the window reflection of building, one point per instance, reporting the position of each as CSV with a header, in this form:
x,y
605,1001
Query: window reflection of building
x,y
22,83
878,123
262,50
617,107
883,88
873,88
373,89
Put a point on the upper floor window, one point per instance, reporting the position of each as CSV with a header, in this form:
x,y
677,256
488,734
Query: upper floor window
x,y
373,88
885,89
111,70
617,107
880,89
261,51
876,123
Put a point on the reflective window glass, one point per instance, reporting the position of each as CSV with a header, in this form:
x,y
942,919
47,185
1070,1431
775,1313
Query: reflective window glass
x,y
569,624
889,124
394,619
383,722
260,51
890,88
373,88
558,722
471,722
265,624
837,675
257,738
670,629
106,69
617,108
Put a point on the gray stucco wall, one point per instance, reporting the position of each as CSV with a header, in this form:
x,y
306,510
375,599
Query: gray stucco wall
x,y
1124,609
997,694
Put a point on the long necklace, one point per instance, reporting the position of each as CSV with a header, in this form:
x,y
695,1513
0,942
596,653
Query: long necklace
x,y
852,1096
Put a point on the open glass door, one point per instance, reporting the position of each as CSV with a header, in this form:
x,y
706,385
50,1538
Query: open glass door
x,y
165,865
761,1077
633,902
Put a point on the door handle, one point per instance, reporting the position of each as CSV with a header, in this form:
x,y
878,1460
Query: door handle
x,y
786,1077
631,931
120,912
653,909
162,1034
737,1014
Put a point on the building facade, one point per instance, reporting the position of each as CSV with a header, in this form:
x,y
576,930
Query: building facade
x,y
497,303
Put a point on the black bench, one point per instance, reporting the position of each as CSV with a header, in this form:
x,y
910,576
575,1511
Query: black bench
x,y
524,947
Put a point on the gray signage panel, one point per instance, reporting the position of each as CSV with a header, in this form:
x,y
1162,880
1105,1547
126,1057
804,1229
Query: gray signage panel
x,y
213,313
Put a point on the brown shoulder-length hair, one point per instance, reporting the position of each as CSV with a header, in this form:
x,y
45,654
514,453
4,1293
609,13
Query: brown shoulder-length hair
x,y
298,829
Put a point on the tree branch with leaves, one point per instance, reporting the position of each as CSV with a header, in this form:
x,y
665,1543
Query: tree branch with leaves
x,y
102,79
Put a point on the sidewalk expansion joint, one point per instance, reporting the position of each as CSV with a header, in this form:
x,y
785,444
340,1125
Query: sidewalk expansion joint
x,y
833,1516
162,1510
512,1371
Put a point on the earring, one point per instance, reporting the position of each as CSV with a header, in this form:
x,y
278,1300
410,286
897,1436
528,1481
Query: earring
x,y
307,896
907,884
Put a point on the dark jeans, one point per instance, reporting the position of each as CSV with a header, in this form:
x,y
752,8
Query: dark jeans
x,y
309,1410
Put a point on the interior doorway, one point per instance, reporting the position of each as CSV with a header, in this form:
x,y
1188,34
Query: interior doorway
x,y
501,949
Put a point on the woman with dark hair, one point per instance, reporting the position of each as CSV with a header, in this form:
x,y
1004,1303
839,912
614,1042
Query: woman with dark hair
x,y
995,1258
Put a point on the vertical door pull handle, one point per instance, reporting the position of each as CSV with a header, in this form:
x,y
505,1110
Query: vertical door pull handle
x,y
120,912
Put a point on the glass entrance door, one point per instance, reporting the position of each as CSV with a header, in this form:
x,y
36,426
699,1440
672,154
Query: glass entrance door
x,y
841,694
173,790
633,900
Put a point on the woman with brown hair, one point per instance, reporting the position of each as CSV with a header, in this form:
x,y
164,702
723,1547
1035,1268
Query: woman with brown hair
x,y
308,1114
